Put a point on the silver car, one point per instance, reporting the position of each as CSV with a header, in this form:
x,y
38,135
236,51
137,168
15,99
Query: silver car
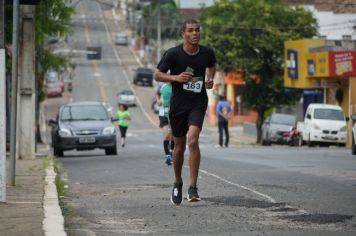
x,y
121,39
127,97
278,129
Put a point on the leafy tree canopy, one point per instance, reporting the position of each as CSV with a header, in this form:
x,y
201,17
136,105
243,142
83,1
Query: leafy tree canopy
x,y
170,18
250,34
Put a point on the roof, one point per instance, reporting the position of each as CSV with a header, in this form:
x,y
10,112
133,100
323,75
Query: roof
x,y
321,105
88,103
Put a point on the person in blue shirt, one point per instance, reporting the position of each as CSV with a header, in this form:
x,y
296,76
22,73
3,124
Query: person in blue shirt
x,y
223,110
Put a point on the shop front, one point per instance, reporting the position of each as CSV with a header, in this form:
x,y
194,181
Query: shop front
x,y
310,64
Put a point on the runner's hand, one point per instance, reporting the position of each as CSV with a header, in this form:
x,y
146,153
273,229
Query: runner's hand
x,y
184,77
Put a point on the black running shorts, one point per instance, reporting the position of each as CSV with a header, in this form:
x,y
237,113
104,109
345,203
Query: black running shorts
x,y
163,121
181,121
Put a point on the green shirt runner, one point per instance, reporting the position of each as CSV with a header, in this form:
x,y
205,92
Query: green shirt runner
x,y
122,116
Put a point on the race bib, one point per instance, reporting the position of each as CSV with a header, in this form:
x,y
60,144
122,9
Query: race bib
x,y
194,86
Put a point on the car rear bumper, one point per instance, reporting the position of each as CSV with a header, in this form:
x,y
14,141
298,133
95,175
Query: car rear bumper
x,y
92,142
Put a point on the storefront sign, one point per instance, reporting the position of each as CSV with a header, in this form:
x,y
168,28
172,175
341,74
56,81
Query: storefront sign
x,y
292,64
342,63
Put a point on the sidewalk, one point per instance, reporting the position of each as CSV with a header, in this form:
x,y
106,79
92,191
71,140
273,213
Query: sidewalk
x,y
31,206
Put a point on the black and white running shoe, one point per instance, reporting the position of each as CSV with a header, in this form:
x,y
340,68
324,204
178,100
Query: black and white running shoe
x,y
193,195
176,197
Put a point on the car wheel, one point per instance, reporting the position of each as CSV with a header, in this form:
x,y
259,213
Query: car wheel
x,y
353,145
57,151
111,151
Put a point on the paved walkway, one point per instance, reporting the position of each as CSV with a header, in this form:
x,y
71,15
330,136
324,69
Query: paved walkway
x,y
31,206
22,214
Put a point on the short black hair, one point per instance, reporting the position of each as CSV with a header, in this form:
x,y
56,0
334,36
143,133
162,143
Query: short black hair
x,y
124,106
189,21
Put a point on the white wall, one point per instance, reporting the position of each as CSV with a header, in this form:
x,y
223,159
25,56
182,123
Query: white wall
x,y
334,26
194,3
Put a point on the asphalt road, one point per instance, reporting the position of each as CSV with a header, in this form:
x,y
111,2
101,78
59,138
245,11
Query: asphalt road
x,y
245,190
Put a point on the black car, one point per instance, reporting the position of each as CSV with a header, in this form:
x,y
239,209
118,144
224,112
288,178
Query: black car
x,y
143,76
83,126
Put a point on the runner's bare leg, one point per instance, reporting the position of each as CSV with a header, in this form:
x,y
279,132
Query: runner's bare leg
x,y
178,157
194,153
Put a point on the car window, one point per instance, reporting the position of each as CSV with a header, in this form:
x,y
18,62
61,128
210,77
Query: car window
x,y
87,112
283,119
126,92
328,114
143,74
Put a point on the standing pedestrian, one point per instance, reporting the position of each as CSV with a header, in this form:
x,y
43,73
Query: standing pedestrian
x,y
191,70
163,97
223,110
123,116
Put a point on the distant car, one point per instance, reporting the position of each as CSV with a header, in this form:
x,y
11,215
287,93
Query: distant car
x,y
324,123
353,144
83,126
54,90
68,84
126,97
278,128
52,77
143,76
121,39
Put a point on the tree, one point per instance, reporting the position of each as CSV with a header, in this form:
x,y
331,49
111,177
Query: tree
x,y
250,34
53,18
170,18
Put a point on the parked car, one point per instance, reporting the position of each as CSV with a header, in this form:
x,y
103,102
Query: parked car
x,y
353,141
324,123
279,128
52,77
68,84
126,97
121,39
54,90
143,76
83,126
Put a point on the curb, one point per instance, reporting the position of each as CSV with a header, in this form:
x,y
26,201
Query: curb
x,y
53,222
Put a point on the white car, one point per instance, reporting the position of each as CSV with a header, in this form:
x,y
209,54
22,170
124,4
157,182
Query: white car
x,y
324,123
121,39
353,145
127,97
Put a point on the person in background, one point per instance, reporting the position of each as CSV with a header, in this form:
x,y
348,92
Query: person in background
x,y
163,97
223,110
123,116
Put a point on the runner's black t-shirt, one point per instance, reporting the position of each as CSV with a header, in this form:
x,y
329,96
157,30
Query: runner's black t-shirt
x,y
188,95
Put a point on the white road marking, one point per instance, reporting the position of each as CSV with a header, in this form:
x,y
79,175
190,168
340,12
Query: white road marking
x,y
269,198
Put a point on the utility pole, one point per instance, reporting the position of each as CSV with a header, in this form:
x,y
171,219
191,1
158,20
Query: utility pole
x,y
159,43
27,93
2,105
14,73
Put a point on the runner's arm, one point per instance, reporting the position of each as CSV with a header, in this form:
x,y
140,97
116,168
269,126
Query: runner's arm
x,y
164,77
210,73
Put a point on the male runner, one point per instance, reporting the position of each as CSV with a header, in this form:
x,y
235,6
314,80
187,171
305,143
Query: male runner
x,y
192,68
163,97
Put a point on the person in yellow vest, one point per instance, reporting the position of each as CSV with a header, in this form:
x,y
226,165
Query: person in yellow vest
x,y
123,116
